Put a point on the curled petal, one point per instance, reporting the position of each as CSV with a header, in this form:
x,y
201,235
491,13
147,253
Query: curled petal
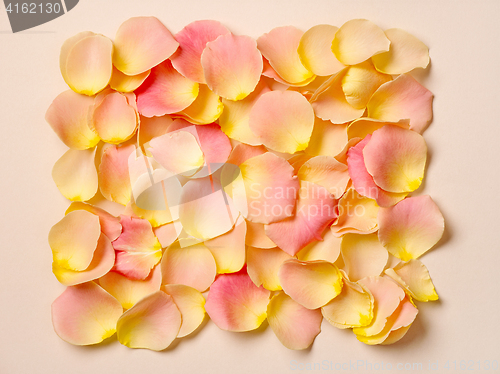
x,y
88,65
327,139
153,323
357,40
70,115
110,225
191,304
235,303
142,43
192,41
137,249
363,255
114,179
192,266
406,53
414,277
402,98
311,284
75,174
295,326
283,121
127,83
165,91
327,249
326,171
205,109
395,158
232,66
315,50
411,227
256,236
85,314
364,126
263,266
129,291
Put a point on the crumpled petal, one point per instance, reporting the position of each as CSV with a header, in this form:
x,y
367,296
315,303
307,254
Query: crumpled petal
x,y
263,265
406,53
192,266
364,126
229,249
283,121
110,225
153,323
127,83
165,91
205,109
129,291
137,249
315,50
75,174
85,314
191,304
232,66
327,139
414,277
316,208
353,307
235,303
357,40
327,249
256,236
86,62
326,171
70,116
363,255
311,284
114,179
411,227
279,47
396,158
295,326
402,98
141,43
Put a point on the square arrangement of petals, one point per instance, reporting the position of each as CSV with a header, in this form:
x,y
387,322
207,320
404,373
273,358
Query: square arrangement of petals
x,y
255,180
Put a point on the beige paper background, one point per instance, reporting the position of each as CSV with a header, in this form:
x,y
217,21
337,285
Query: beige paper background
x,y
462,177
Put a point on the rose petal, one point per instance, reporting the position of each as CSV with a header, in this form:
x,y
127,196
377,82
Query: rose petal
x,y
192,266
129,291
327,139
191,304
406,53
165,91
414,277
263,266
127,83
69,115
311,284
153,127
327,249
206,108
66,48
363,255
315,50
256,236
137,249
85,314
168,233
411,227
114,179
364,126
357,40
232,66
402,98
395,158
295,326
153,323
235,303
327,172
279,47
142,43
110,225
75,174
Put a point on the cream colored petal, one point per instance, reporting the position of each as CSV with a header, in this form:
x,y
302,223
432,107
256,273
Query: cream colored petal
x,y
327,139
263,266
327,249
326,171
363,255
256,236
114,179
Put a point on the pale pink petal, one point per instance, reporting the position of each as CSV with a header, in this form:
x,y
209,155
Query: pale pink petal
x,y
153,323
363,256
114,179
316,208
402,98
364,126
127,83
110,225
243,152
141,43
85,314
256,236
327,249
232,65
327,139
137,249
168,233
70,116
327,172
411,227
414,277
192,266
357,40
263,266
235,303
311,284
165,91
206,108
295,326
193,39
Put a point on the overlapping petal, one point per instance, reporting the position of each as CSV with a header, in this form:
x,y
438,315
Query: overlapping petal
x,y
263,266
205,109
326,171
326,249
364,126
110,225
114,179
127,83
256,236
327,139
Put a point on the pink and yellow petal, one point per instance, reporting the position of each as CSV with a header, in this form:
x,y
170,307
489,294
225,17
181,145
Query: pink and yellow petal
x,y
127,83
114,179
110,225
327,172
327,249
256,236
327,139
150,128
263,266
365,126
168,233
205,109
